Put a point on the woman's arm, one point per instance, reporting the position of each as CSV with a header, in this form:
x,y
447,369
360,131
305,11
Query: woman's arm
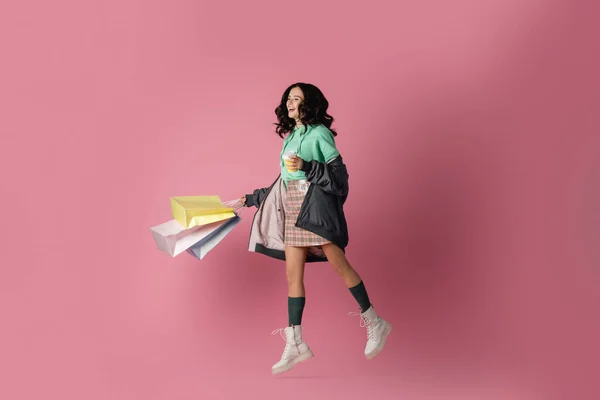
x,y
332,177
256,197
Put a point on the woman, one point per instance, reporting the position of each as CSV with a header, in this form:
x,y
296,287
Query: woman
x,y
300,217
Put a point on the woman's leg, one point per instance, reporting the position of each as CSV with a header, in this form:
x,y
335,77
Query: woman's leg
x,y
378,329
353,282
295,258
296,350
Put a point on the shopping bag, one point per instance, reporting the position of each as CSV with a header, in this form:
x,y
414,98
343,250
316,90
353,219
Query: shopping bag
x,y
206,244
192,211
172,238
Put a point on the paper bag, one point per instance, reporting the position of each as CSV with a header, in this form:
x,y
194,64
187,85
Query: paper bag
x,y
192,211
172,238
200,249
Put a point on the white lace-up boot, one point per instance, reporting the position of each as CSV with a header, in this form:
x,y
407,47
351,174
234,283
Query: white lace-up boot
x,y
296,350
378,330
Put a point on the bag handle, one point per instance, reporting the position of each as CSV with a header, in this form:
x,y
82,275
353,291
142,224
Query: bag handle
x,y
236,205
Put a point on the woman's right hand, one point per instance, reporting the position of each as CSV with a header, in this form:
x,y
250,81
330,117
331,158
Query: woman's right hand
x,y
243,200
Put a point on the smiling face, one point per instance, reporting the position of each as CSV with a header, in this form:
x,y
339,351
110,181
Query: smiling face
x,y
295,98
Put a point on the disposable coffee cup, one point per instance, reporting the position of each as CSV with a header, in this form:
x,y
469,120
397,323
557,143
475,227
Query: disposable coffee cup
x,y
287,156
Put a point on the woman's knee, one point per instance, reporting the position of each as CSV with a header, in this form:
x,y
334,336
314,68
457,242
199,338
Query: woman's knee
x,y
341,269
294,277
295,260
337,259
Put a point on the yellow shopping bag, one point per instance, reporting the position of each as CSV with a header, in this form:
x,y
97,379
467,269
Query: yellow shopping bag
x,y
192,211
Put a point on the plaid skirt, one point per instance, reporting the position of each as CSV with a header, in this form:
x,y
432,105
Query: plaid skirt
x,y
294,236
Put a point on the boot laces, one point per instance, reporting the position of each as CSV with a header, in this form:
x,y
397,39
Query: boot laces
x,y
288,344
365,323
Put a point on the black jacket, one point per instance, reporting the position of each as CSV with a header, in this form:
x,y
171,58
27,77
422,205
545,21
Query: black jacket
x,y
321,212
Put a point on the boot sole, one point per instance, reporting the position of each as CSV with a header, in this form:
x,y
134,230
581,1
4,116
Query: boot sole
x,y
302,357
379,349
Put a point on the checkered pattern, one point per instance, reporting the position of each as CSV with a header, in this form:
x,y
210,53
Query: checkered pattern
x,y
295,236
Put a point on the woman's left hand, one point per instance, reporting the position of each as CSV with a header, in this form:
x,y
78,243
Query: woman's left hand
x,y
295,163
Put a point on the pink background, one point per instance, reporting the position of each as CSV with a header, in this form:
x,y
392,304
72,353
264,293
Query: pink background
x,y
474,161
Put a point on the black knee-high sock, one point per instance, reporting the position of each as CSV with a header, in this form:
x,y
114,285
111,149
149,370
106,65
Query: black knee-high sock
x,y
295,309
360,294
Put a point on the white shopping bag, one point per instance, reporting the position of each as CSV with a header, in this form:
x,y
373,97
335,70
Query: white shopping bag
x,y
207,243
172,238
